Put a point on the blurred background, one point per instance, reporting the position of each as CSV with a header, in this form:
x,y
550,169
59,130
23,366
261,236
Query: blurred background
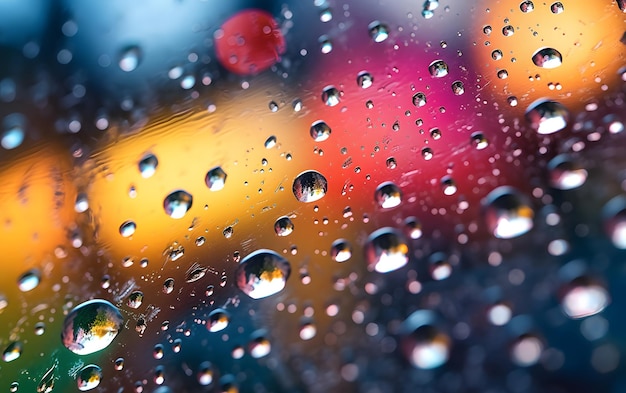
x,y
312,196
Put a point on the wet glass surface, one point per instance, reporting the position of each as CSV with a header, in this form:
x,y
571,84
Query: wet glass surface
x,y
312,196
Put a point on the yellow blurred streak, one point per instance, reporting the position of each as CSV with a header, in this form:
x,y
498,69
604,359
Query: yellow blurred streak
x,y
36,210
587,34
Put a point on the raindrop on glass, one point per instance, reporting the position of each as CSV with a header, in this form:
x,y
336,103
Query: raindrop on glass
x,y
205,374
386,250
364,79
547,58
215,179
507,214
379,32
127,229
427,153
582,297
177,204
148,165
448,186
283,226
526,6
479,141
614,215
496,54
262,273
557,7
458,88
439,267
29,280
419,99
388,195
88,377
130,58
508,30
424,344
168,285
218,320
309,186
566,173
135,300
438,69
330,96
12,351
341,250
413,227
320,131
91,326
547,117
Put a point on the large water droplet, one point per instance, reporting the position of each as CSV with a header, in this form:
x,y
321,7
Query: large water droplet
x,y
309,186
148,165
91,326
29,280
547,117
340,250
424,344
386,250
320,131
566,173
130,58
127,229
378,31
89,377
364,79
215,179
12,351
438,69
547,58
283,226
262,273
507,214
526,6
177,203
388,195
330,96
218,320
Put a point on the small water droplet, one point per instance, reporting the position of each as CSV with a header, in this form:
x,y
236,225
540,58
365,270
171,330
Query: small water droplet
x,y
218,320
438,69
326,45
283,226
458,88
135,300
391,163
205,373
262,273
448,186
503,74
386,250
273,106
614,216
89,377
82,204
388,195
270,142
526,6
127,229
130,58
487,29
413,227
439,267
378,31
340,250
330,96
507,214
215,179
496,54
13,351
566,173
479,141
29,280
427,153
508,30
364,79
526,350
581,295
419,99
547,117
424,344
320,131
177,203
547,58
309,186
326,15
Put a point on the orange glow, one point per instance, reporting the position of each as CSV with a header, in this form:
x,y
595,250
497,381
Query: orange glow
x,y
587,35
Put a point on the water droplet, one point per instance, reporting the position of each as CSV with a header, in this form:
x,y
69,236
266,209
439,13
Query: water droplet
x,y
526,6
297,105
424,344
82,204
557,7
89,377
448,185
614,214
419,99
499,314
215,179
326,45
439,267
228,232
307,331
391,163
262,273
91,326
386,250
413,227
195,273
177,203
512,100
364,79
283,226
458,88
496,54
270,142
326,15
148,165
12,351
479,141
547,117
14,387
130,58
438,69
566,173
13,133
218,320
168,285
158,351
507,214
273,106
40,328
427,153
320,131
580,295
330,96
435,133
309,186
29,280
205,374
503,74
378,31
508,30
388,195
487,29
341,250
547,58
259,347
135,300
526,350
127,229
